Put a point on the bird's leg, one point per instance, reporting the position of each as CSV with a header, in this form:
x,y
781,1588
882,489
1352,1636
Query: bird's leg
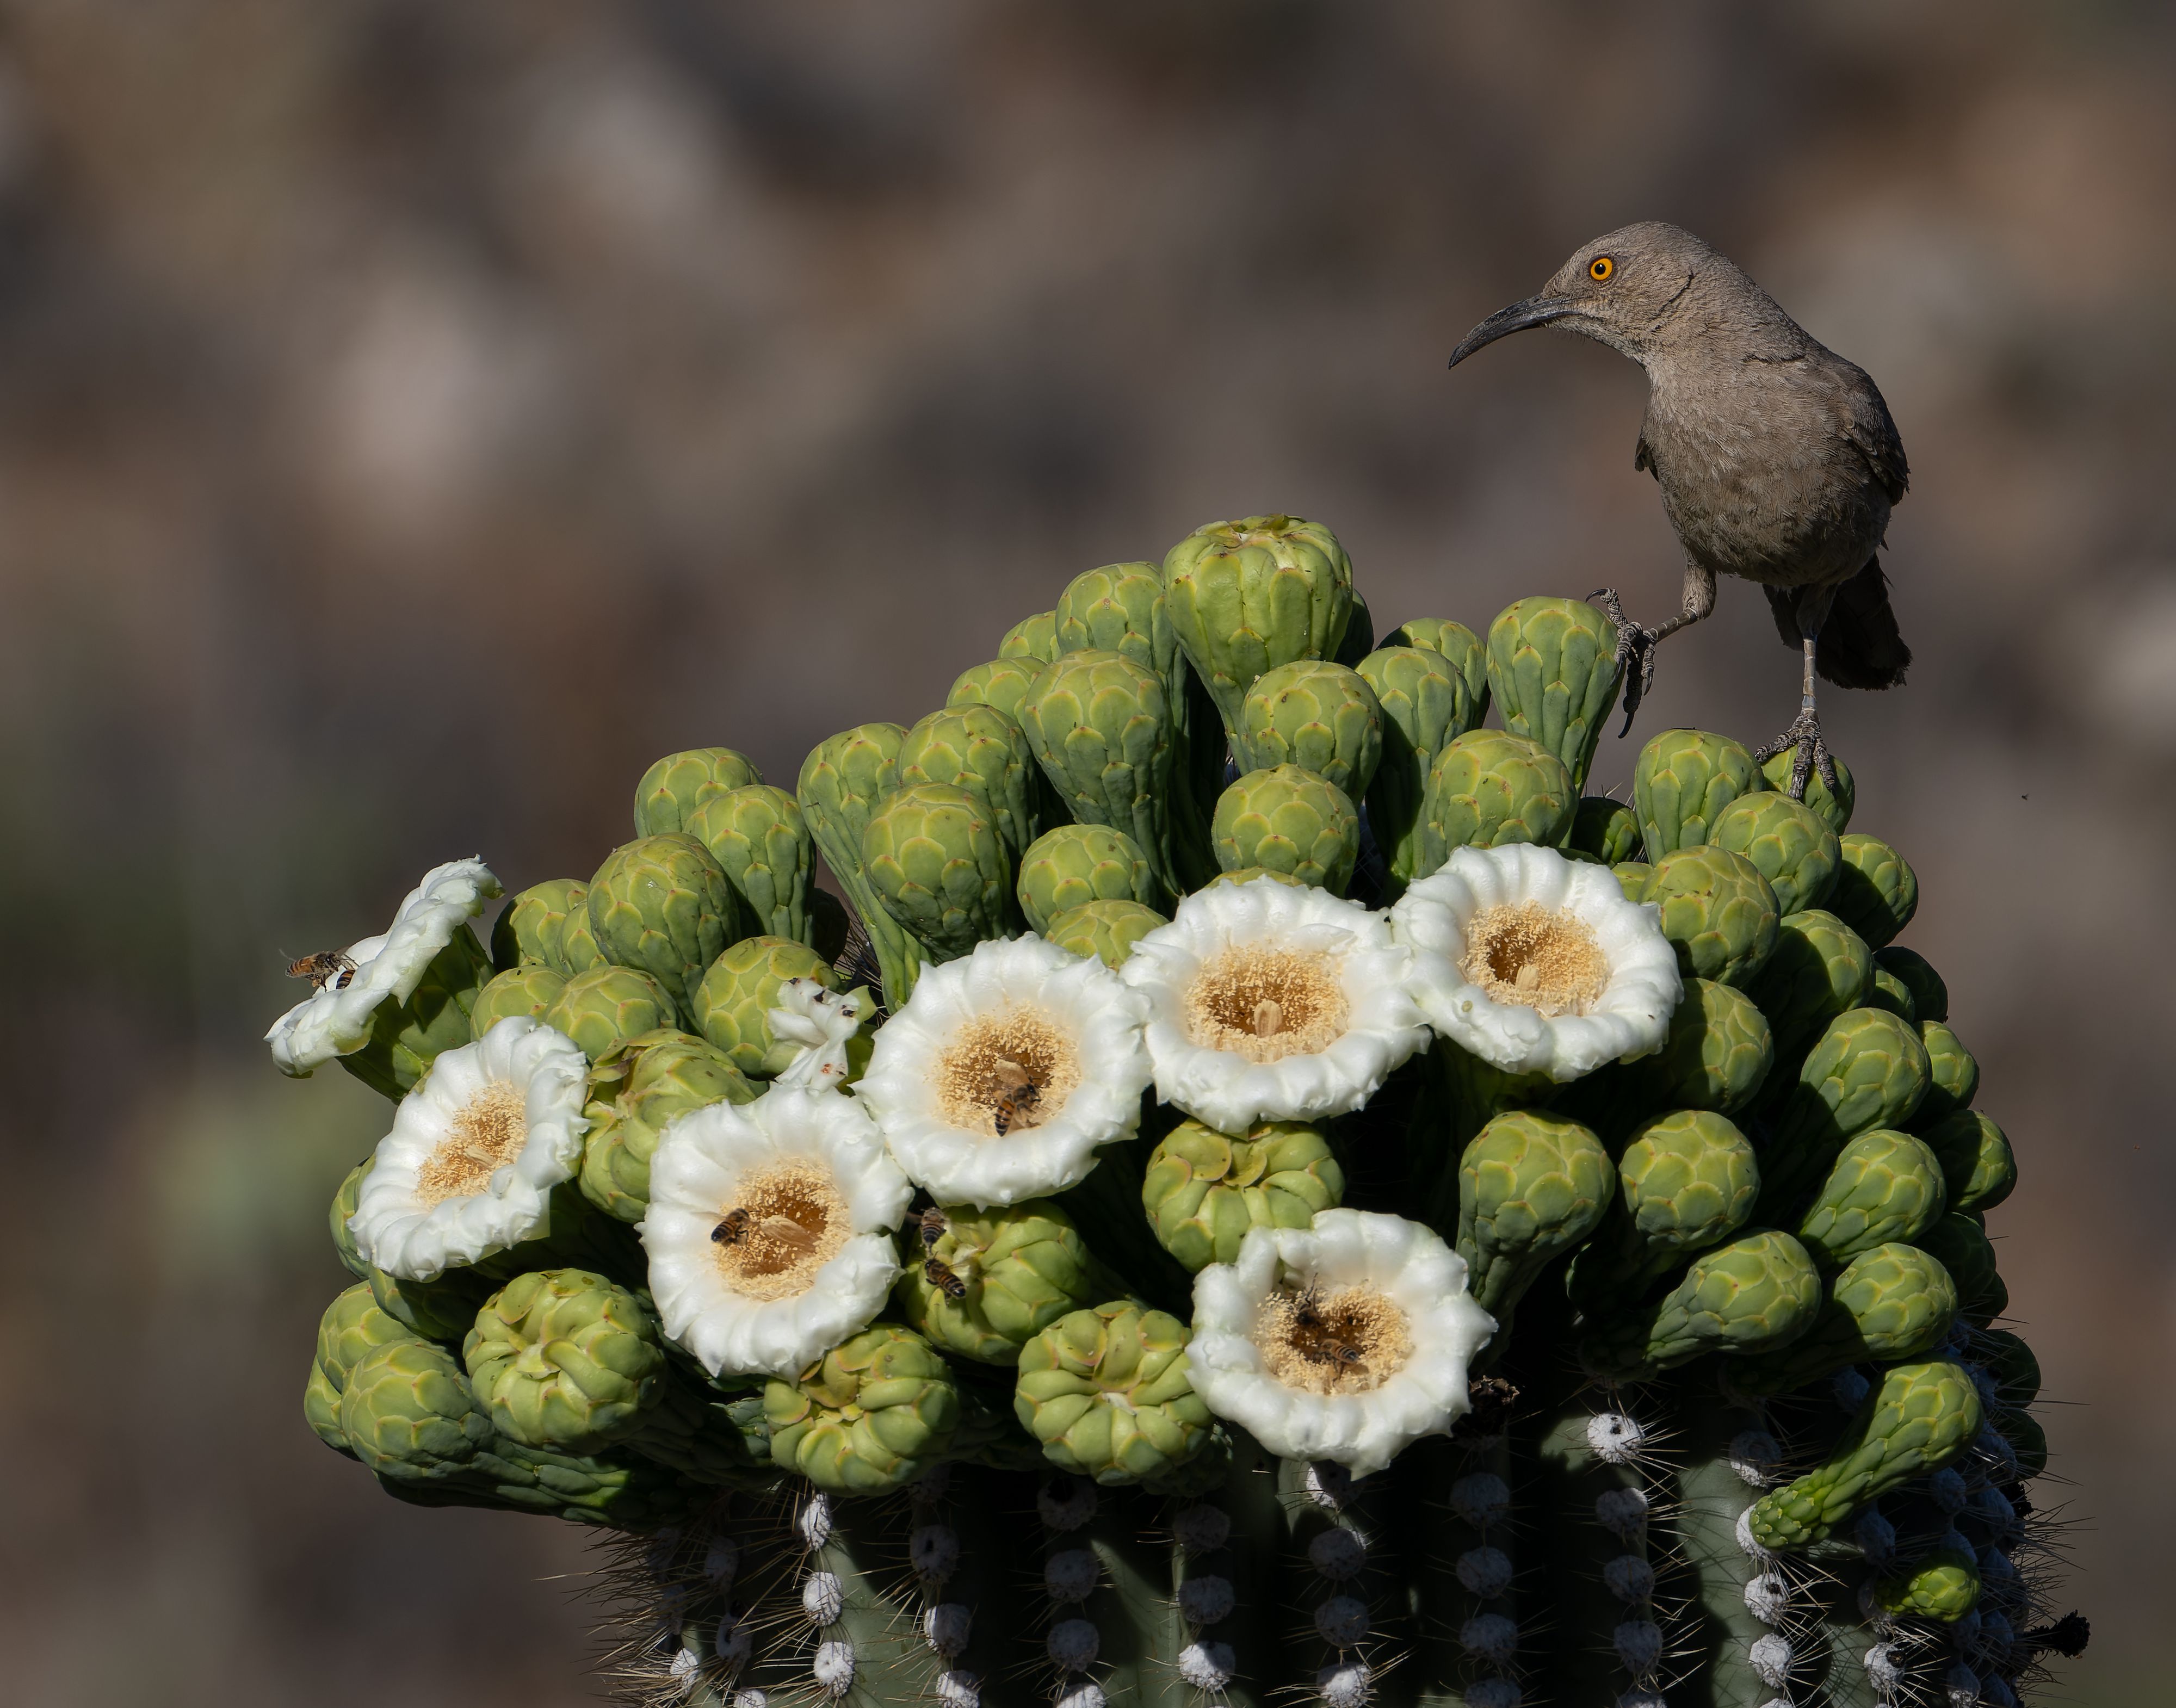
x,y
1636,643
1804,734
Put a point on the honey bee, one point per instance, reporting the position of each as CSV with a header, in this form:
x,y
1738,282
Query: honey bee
x,y
732,1230
328,966
1012,1104
1307,1308
938,1274
933,1226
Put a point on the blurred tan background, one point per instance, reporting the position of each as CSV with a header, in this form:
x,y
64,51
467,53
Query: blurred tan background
x,y
414,418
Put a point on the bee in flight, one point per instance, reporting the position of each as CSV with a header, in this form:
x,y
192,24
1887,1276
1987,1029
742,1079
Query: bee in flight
x,y
328,966
732,1230
933,1226
1012,1103
938,1274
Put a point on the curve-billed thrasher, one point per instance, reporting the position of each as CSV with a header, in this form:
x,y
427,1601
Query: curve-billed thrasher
x,y
1778,460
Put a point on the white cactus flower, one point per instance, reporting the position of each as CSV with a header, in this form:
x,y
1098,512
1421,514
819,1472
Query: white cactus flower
x,y
475,1151
819,1023
1536,963
1273,1002
769,1230
335,1019
1346,1341
1005,1070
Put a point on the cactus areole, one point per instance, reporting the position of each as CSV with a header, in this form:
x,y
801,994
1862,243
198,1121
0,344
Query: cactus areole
x,y
1260,1194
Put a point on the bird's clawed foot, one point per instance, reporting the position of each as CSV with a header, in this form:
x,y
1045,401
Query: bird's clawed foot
x,y
1812,755
1636,653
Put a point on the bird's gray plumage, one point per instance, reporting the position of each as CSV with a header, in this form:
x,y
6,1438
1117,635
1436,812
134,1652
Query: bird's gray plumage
x,y
1778,460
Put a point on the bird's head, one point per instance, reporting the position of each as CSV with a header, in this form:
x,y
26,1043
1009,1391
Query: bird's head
x,y
1625,289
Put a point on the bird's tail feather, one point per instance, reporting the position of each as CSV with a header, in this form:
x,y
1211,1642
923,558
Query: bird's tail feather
x,y
1860,645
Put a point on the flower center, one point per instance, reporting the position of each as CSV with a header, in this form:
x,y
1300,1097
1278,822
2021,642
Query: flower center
x,y
1007,1071
1547,962
787,1222
1266,1003
487,1136
1342,1342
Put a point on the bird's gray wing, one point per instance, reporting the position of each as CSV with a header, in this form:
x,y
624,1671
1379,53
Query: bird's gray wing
x,y
1866,427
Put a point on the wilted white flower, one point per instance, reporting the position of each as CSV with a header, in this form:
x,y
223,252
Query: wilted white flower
x,y
1273,1002
475,1151
819,1023
769,1229
1536,963
1345,1341
335,1019
1005,1070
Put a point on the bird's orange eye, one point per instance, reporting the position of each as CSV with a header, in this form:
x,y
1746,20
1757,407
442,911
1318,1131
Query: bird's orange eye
x,y
1599,268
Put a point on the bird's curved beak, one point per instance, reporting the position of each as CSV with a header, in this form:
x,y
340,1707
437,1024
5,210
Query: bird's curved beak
x,y
1535,311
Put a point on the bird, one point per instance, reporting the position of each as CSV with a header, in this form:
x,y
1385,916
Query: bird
x,y
1778,460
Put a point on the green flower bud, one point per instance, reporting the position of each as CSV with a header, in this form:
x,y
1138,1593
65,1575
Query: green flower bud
x,y
1108,930
1718,911
1019,1267
760,841
1820,967
939,867
1100,726
521,991
1529,1186
437,1310
578,942
352,1328
1000,684
869,1415
1930,997
1953,1075
1944,1586
1686,1180
663,906
1489,788
1246,597
2010,1363
1834,810
1553,670
1921,1417
1289,820
983,752
1758,1293
407,1413
1891,1303
672,789
1795,851
527,932
1717,1056
1106,1393
563,1358
1075,864
1031,637
1977,1164
1876,892
1633,876
1887,991
1886,1186
1459,647
321,1403
1320,717
1204,1189
734,1003
605,1008
1681,783
635,1091
1962,1245
842,780
1425,703
1867,1070
1608,830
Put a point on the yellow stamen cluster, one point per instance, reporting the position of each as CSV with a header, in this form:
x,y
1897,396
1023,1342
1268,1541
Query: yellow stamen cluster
x,y
1528,954
796,1222
487,1136
1018,1061
1342,1342
1267,1004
